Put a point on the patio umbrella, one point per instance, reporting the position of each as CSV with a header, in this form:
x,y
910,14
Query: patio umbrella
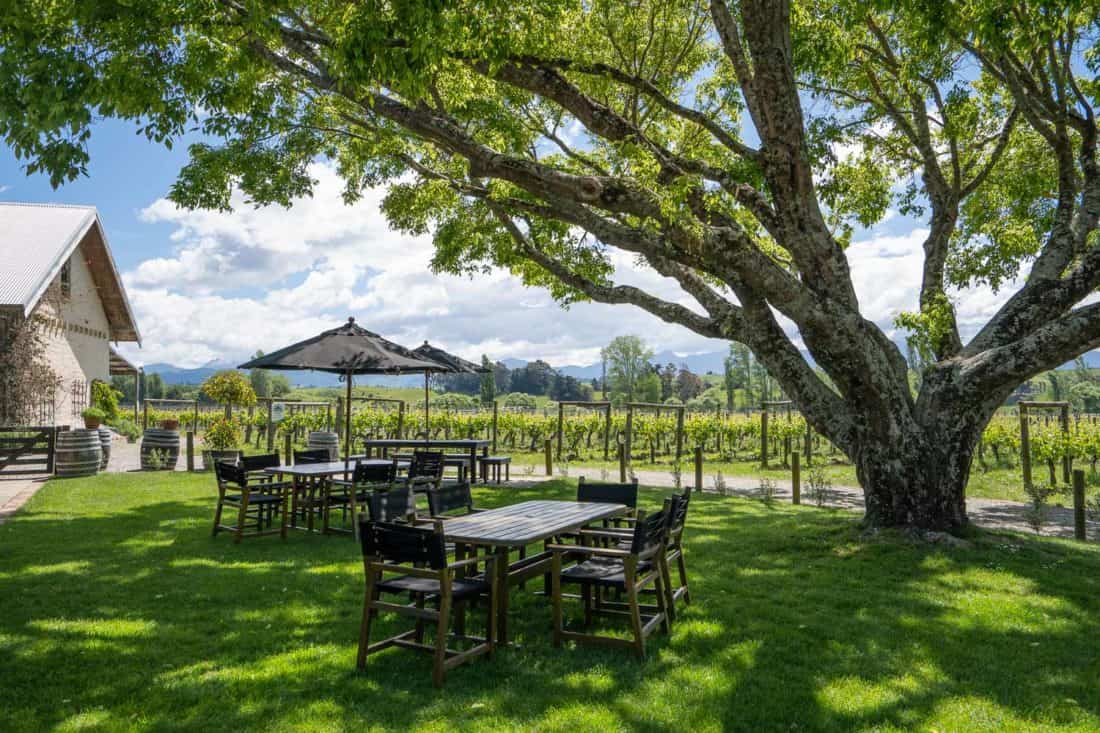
x,y
452,365
347,350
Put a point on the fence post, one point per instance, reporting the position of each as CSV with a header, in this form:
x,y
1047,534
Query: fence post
x,y
698,468
144,416
270,428
809,447
796,479
288,456
607,433
1067,461
495,409
622,462
190,451
561,419
629,433
549,449
764,437
248,427
679,433
340,416
1079,505
718,438
1025,446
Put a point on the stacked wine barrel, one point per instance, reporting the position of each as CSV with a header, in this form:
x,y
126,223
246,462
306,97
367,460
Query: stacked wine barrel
x,y
104,446
77,453
160,449
325,440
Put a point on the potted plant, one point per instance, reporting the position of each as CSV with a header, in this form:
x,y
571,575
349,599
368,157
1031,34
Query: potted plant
x,y
228,388
221,438
170,423
93,416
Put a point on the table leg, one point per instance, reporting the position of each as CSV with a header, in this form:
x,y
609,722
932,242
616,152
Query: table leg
x,y
460,606
501,570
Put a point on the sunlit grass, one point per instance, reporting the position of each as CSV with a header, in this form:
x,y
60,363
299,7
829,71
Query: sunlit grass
x,y
118,611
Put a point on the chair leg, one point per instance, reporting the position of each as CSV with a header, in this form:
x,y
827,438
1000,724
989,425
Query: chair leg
x,y
683,576
283,506
664,598
419,622
665,591
441,638
635,615
217,517
364,626
242,516
586,596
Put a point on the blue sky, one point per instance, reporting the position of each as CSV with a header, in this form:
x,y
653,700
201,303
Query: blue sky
x,y
210,286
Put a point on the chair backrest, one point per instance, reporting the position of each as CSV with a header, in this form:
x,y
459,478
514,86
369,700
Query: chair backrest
x,y
394,505
259,463
402,543
608,493
374,473
426,464
649,533
450,498
230,473
677,512
311,456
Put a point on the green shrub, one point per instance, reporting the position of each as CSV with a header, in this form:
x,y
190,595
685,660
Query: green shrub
x,y
94,413
105,398
222,434
229,387
127,428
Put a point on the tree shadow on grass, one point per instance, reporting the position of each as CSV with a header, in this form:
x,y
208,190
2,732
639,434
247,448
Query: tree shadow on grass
x,y
138,618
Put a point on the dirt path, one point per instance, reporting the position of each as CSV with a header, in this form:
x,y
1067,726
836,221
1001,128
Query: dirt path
x,y
987,513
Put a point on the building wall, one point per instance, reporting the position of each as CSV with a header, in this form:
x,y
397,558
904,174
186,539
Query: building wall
x,y
77,345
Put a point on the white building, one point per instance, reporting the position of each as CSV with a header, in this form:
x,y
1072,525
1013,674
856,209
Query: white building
x,y
56,265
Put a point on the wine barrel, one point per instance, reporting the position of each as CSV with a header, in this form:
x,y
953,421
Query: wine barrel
x,y
325,440
77,453
104,446
165,443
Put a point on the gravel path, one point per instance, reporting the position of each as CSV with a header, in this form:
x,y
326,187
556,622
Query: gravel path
x,y
988,513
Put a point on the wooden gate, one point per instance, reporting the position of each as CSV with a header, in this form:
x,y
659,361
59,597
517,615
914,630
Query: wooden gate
x,y
25,450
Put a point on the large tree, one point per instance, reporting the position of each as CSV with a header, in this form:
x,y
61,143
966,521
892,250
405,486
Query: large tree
x,y
700,138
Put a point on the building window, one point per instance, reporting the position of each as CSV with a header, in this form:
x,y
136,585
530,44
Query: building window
x,y
66,280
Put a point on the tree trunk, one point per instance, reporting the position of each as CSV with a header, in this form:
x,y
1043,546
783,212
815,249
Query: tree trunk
x,y
918,482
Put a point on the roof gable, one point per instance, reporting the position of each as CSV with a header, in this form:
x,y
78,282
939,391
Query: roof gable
x,y
36,240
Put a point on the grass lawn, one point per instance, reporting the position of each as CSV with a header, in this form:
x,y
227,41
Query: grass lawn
x,y
118,611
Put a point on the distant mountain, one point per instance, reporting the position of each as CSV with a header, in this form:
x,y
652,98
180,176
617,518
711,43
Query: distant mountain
x,y
181,375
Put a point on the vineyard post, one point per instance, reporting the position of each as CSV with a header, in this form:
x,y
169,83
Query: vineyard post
x,y
549,450
328,416
195,418
495,410
401,419
796,480
145,415
809,447
248,427
340,416
718,439
607,431
629,433
699,468
764,436
1079,505
190,451
1067,460
561,419
288,456
1025,447
622,461
270,428
679,432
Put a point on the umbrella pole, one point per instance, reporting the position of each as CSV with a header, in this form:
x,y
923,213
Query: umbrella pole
x,y
347,425
427,410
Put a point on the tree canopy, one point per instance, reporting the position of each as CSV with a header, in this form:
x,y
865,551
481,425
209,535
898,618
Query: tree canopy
x,y
731,147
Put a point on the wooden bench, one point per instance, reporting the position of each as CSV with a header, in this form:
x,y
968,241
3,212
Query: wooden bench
x,y
494,463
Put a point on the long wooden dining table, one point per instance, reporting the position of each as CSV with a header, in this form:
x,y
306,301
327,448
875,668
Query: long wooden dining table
x,y
507,528
311,477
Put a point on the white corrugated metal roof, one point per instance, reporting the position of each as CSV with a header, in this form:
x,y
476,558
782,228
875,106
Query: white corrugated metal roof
x,y
35,240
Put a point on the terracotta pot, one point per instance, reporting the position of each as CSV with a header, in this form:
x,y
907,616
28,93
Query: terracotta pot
x,y
91,423
169,424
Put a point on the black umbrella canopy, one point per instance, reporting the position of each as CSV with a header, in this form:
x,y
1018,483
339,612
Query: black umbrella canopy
x,y
349,349
456,364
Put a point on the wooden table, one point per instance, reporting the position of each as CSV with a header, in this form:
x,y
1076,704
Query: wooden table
x,y
468,445
308,476
519,525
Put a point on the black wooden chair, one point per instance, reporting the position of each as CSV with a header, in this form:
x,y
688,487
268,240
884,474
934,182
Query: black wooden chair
x,y
395,505
609,493
450,498
426,470
629,571
399,559
256,503
311,456
352,494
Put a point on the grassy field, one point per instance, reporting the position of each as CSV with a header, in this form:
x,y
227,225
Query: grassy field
x,y
120,612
